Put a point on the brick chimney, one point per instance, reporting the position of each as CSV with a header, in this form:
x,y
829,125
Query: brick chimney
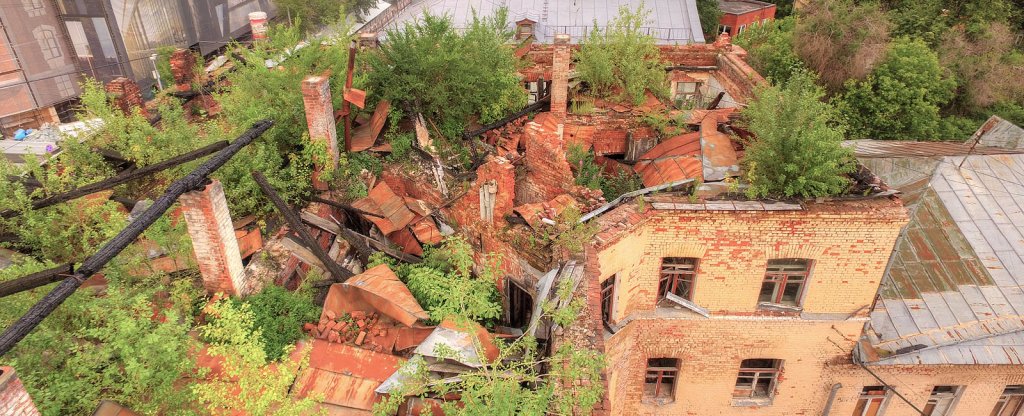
x,y
316,94
183,63
213,240
560,75
258,26
126,96
14,400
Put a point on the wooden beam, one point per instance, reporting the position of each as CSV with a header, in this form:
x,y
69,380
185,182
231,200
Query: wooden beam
x,y
718,99
301,252
319,222
122,178
35,280
295,223
196,179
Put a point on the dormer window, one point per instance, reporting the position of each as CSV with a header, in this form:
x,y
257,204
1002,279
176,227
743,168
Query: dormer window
x,y
524,29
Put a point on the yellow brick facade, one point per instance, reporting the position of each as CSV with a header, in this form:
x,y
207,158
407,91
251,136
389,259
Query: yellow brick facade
x,y
849,243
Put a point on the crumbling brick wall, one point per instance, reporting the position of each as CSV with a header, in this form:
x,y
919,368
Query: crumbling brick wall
x,y
547,173
183,64
126,96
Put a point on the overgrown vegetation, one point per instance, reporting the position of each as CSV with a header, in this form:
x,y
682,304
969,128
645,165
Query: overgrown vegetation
x,y
445,283
310,15
620,62
590,174
710,15
798,151
278,315
513,383
873,76
449,75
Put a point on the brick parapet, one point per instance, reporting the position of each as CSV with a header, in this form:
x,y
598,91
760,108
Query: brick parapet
x,y
560,76
14,399
213,241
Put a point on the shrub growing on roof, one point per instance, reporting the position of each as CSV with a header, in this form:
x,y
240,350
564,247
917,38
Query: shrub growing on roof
x,y
798,151
620,61
449,75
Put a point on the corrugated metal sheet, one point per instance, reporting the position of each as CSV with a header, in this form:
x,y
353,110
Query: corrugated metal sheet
x,y
669,22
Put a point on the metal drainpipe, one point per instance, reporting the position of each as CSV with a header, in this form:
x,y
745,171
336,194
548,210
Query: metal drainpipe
x,y
831,398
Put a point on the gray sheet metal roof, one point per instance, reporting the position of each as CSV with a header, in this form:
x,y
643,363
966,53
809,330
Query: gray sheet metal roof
x,y
954,293
738,7
669,22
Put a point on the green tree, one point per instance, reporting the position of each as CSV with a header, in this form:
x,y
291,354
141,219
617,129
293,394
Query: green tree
x,y
621,62
901,97
447,74
770,49
798,148
841,40
710,15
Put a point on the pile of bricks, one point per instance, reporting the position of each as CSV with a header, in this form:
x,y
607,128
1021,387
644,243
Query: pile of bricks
x,y
183,64
350,327
589,199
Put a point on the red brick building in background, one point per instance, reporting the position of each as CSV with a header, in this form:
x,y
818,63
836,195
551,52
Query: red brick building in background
x,y
738,15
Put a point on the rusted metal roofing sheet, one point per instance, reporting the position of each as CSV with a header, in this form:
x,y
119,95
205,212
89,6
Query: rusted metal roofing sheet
x,y
363,137
473,344
535,213
717,154
672,160
905,149
955,286
112,408
345,376
382,200
1000,133
426,231
384,292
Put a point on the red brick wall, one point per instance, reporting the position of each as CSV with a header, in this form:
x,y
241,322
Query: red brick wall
x,y
14,400
560,76
213,241
466,211
547,171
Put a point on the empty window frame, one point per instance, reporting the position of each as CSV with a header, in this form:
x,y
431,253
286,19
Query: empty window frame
x,y
607,299
784,282
520,305
724,29
871,401
1011,402
757,378
942,400
687,94
660,381
677,277
741,28
34,7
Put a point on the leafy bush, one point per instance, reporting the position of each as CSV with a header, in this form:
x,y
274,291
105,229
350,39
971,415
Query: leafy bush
x,y
621,62
798,147
278,314
449,75
770,48
901,98
445,285
587,171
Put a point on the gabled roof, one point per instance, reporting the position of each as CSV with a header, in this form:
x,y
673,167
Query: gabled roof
x,y
670,22
954,291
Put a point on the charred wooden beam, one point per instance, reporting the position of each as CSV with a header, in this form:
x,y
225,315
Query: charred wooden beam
x,y
537,106
364,241
35,280
128,235
336,271
343,206
122,178
718,99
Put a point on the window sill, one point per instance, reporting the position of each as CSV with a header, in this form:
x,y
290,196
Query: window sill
x,y
775,307
751,401
657,401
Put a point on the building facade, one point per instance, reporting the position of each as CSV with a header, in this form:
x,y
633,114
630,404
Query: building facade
x,y
738,15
